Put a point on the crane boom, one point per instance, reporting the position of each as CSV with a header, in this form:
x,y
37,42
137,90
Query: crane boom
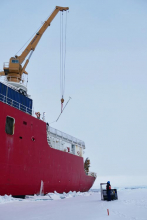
x,y
32,45
15,70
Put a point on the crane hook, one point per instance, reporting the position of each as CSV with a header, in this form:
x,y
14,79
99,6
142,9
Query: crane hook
x,y
62,100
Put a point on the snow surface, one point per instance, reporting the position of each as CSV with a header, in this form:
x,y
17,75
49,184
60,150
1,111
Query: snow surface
x,y
131,205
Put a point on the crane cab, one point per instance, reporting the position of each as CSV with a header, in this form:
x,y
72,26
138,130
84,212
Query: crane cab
x,y
12,69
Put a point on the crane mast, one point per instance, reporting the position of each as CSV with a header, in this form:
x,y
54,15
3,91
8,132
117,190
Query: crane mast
x,y
14,69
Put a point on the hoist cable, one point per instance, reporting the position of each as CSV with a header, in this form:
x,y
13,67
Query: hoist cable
x,y
65,52
62,53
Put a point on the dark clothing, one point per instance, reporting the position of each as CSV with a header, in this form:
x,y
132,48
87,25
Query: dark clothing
x,y
108,187
109,195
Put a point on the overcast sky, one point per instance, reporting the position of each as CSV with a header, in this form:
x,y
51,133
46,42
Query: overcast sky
x,y
106,75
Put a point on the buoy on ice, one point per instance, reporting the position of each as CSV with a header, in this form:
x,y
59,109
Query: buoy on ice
x,y
108,211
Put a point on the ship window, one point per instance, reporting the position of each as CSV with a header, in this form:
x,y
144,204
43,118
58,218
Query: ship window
x,y
15,61
24,122
10,123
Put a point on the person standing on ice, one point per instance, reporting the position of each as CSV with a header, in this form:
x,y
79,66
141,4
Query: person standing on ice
x,y
108,188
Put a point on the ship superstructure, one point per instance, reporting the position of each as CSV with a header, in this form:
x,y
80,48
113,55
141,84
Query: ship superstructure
x,y
64,142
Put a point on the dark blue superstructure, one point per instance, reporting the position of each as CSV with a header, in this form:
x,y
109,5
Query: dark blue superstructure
x,y
15,99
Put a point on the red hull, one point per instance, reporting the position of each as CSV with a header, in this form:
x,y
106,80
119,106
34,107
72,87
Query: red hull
x,y
24,163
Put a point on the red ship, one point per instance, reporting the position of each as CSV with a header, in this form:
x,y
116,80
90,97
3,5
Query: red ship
x,y
35,158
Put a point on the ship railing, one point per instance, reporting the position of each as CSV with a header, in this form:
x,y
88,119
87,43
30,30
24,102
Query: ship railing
x,y
92,174
15,104
6,65
65,137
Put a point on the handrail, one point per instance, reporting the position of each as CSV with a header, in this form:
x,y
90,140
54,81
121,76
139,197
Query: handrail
x,y
65,137
15,104
6,64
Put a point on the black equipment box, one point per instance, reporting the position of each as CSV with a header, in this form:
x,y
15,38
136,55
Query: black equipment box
x,y
113,193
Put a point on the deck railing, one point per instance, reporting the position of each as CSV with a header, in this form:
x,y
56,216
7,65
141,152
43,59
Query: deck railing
x,y
15,104
6,65
65,137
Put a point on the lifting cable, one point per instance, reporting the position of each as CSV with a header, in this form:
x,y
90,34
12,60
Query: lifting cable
x,y
62,63
62,57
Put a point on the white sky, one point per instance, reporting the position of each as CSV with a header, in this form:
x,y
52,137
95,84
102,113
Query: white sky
x,y
105,74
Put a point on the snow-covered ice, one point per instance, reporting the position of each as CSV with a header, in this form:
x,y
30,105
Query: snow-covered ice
x,y
131,205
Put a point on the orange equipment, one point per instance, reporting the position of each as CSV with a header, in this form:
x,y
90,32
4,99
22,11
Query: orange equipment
x,y
62,100
37,114
14,69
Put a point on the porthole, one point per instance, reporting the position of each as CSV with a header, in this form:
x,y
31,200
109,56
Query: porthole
x,y
33,138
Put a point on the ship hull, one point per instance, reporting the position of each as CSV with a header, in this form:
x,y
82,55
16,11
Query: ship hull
x,y
26,159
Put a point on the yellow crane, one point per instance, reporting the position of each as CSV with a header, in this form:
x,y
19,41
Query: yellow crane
x,y
14,69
